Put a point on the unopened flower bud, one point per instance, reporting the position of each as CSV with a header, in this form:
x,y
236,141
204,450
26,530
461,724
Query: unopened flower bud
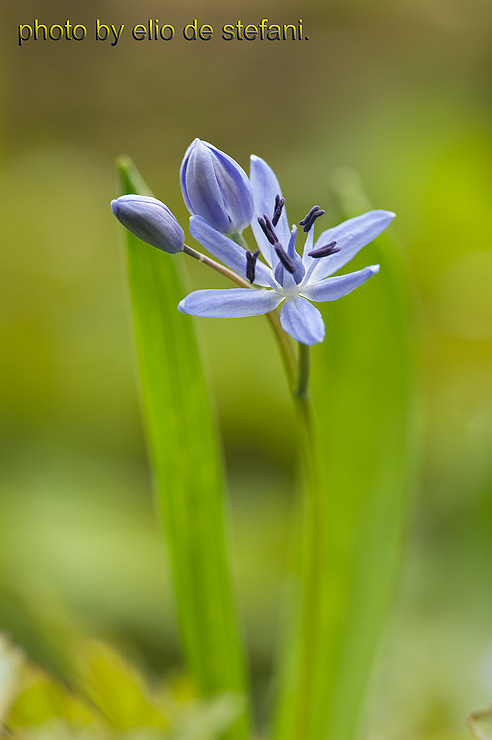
x,y
150,220
216,187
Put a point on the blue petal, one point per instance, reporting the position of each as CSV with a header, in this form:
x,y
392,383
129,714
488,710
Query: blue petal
x,y
350,236
302,321
333,288
230,303
265,187
236,188
227,251
201,191
216,187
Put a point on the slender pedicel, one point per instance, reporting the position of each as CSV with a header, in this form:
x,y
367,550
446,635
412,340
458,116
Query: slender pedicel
x,y
251,258
325,251
277,211
311,217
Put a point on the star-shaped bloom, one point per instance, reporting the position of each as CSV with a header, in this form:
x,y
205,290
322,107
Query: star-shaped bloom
x,y
286,277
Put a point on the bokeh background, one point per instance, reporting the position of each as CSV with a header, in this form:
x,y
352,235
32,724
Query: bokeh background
x,y
399,91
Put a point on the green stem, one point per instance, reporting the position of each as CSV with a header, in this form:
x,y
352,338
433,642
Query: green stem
x,y
310,607
297,698
239,238
285,346
301,390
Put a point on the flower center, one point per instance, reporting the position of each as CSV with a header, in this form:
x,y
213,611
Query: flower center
x,y
288,259
290,291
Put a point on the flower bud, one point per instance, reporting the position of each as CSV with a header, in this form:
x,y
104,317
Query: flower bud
x,y
216,187
150,220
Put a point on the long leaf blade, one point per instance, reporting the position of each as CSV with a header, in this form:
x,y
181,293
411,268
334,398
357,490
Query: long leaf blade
x,y
182,441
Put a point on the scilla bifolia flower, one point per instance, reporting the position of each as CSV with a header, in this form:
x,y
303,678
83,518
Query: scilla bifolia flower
x,y
215,187
150,220
286,278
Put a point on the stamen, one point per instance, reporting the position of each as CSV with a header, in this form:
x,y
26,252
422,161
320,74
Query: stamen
x,y
268,230
291,247
311,217
325,251
277,211
270,234
284,258
251,258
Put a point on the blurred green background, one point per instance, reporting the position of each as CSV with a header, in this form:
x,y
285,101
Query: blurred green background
x,y
397,91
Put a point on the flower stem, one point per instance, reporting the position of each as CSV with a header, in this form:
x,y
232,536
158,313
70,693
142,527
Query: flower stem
x,y
301,390
239,238
297,691
287,353
307,638
283,340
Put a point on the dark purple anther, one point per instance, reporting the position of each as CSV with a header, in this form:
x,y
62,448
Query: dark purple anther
x,y
311,217
325,251
284,258
251,258
277,211
268,229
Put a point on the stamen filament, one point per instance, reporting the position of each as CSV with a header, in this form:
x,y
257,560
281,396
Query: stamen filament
x,y
291,248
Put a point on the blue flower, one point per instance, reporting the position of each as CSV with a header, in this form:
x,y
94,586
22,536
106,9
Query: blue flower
x,y
216,187
150,220
286,278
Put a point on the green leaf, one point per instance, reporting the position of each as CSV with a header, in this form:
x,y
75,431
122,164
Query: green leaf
x,y
363,396
182,439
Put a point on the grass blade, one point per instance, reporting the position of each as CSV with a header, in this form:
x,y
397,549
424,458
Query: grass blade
x,y
182,441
